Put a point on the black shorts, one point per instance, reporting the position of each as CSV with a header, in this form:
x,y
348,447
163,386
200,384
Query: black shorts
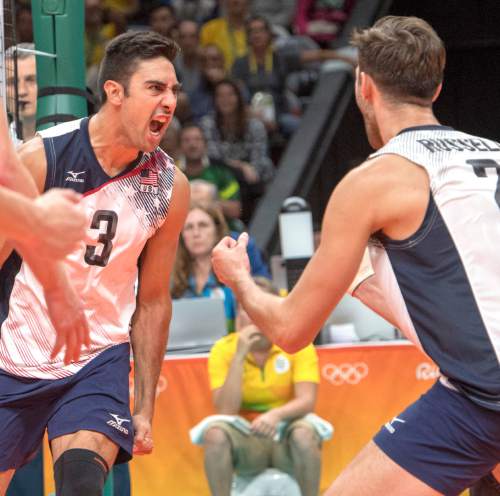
x,y
96,398
443,439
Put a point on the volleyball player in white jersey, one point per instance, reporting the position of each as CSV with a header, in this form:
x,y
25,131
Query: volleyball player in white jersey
x,y
135,202
44,230
429,201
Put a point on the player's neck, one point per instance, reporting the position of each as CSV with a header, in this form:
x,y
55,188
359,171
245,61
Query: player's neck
x,y
110,148
392,121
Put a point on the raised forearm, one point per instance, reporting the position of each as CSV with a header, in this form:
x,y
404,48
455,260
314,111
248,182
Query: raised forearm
x,y
17,215
149,339
16,212
50,274
264,309
228,398
14,175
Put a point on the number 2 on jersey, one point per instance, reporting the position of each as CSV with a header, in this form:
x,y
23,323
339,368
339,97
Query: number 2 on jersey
x,y
480,166
110,221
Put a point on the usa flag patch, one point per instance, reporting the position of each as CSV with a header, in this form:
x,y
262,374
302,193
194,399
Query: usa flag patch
x,y
148,180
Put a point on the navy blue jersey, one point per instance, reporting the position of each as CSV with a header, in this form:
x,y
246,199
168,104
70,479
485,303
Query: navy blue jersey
x,y
123,213
442,285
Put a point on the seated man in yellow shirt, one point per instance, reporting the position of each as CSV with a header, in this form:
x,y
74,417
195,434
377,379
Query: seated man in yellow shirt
x,y
252,378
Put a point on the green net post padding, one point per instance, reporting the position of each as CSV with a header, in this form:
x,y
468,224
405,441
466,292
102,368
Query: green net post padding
x,y
58,27
109,487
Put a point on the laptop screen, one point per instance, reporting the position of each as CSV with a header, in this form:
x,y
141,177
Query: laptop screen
x,y
196,324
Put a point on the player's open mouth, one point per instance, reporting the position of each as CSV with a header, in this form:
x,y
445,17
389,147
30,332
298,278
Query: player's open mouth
x,y
157,124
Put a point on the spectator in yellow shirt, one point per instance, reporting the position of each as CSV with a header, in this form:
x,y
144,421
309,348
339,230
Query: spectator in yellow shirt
x,y
252,378
228,32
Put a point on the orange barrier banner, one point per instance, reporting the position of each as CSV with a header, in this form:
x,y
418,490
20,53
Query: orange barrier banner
x,y
362,387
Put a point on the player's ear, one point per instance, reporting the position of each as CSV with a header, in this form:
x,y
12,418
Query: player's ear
x,y
114,92
437,92
366,85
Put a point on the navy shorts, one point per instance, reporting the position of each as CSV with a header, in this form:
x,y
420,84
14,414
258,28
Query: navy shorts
x,y
444,439
96,399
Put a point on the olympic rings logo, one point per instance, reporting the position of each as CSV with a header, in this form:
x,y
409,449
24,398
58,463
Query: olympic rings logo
x,y
345,373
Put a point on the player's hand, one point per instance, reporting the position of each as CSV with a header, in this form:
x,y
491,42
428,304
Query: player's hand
x,y
265,425
66,313
143,437
247,337
60,226
230,259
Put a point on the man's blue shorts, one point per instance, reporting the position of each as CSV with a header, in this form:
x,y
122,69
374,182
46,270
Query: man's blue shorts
x,y
96,399
443,439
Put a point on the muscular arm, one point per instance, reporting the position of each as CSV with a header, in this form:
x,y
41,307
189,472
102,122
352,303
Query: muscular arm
x,y
388,194
58,227
12,174
154,305
18,216
50,225
13,177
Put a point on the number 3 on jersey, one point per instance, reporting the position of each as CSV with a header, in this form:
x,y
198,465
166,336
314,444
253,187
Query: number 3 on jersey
x,y
108,220
480,166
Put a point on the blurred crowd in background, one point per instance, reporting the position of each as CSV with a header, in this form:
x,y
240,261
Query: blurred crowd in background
x,y
247,68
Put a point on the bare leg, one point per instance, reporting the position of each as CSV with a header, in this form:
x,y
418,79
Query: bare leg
x,y
218,461
91,440
5,478
306,458
373,473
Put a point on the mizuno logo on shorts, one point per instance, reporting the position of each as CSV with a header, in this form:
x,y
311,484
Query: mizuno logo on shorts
x,y
117,423
390,426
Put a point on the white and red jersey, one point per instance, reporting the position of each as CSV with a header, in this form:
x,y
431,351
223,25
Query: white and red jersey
x,y
123,213
441,286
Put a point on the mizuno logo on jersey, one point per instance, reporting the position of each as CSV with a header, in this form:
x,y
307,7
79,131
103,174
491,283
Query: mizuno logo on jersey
x,y
117,423
73,177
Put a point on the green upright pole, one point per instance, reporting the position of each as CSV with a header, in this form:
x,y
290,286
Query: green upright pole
x,y
109,487
58,27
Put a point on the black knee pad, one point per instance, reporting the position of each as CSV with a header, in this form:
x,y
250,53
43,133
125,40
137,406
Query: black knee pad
x,y
80,472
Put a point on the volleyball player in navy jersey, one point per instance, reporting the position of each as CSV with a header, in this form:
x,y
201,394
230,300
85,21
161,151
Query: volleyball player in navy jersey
x,y
135,202
427,204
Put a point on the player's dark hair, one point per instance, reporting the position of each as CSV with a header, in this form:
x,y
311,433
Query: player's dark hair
x,y
126,51
404,56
